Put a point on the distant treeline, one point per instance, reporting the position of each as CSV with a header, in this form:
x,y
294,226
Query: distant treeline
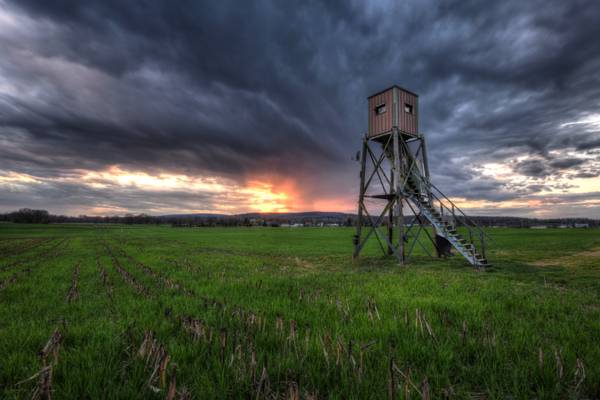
x,y
29,216
517,222
26,215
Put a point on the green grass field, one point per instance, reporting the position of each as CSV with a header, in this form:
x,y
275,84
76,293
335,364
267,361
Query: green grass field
x,y
158,312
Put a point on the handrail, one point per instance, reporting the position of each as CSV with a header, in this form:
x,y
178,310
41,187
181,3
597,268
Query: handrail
x,y
431,185
476,235
461,211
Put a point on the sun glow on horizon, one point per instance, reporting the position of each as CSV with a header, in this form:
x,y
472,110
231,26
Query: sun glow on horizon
x,y
263,198
198,194
255,195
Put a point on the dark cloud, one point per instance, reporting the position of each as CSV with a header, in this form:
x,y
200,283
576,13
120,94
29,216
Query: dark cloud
x,y
542,168
534,167
588,174
566,163
243,89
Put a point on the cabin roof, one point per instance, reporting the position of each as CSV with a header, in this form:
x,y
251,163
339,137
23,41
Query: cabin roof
x,y
391,87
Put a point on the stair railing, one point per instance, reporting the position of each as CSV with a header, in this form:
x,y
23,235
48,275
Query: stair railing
x,y
476,234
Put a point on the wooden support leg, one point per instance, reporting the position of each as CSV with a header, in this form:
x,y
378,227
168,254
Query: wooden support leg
x,y
399,199
391,219
361,198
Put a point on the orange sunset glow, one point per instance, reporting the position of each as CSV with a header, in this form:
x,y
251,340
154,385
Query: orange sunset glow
x,y
263,197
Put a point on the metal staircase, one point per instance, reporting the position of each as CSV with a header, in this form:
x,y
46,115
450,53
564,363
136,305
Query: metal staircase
x,y
425,197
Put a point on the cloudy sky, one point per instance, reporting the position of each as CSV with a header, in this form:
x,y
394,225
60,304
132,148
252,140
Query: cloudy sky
x,y
109,107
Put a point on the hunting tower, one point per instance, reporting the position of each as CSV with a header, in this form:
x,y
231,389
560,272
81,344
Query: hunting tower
x,y
396,193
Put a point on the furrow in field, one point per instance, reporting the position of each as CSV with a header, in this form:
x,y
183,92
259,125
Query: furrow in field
x,y
13,245
160,368
42,389
160,279
127,276
73,293
157,276
50,254
10,246
26,247
105,279
32,257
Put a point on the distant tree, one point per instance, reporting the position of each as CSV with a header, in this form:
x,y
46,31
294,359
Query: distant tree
x,y
29,216
128,219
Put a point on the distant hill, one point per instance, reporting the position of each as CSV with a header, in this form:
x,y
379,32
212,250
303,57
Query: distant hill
x,y
199,215
285,215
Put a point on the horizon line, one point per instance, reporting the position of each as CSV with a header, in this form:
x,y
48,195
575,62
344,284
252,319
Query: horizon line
x,y
273,213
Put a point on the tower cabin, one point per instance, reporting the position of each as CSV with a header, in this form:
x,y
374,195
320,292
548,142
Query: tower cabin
x,y
391,108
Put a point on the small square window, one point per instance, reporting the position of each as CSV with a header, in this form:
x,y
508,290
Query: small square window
x,y
408,108
380,109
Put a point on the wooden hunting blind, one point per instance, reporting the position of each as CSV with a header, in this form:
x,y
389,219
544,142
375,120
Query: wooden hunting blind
x,y
395,175
393,108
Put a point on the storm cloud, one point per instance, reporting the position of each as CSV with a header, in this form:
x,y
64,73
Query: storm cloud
x,y
276,91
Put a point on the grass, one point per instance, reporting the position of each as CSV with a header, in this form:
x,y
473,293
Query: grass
x,y
285,313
